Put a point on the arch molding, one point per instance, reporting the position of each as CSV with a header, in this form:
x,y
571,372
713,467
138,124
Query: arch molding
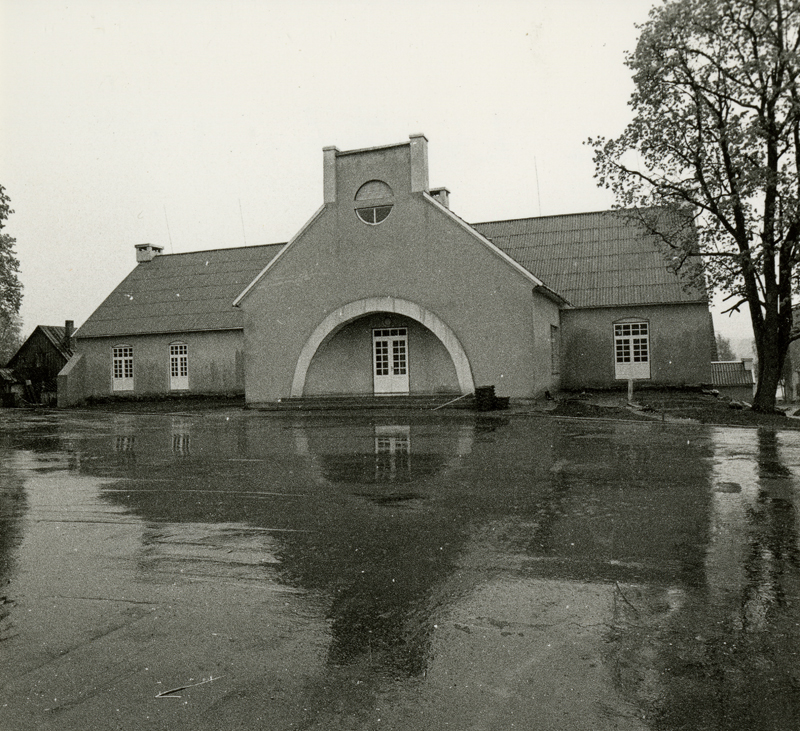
x,y
368,306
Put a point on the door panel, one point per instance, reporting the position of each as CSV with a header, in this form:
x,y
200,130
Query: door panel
x,y
179,367
390,360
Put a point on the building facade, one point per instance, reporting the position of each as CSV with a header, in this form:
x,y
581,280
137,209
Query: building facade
x,y
386,291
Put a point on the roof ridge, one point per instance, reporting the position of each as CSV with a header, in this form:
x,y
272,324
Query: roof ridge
x,y
570,215
223,248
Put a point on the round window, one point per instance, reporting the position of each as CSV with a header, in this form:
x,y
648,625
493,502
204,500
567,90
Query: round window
x,y
374,202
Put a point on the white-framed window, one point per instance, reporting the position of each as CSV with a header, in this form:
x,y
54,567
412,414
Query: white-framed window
x,y
122,368
178,366
632,350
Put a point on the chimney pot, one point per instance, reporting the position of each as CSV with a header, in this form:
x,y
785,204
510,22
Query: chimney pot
x,y
69,326
147,252
442,195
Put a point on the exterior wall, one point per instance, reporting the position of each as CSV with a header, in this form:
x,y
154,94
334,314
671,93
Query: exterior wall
x,y
418,254
431,369
71,382
216,365
39,362
681,338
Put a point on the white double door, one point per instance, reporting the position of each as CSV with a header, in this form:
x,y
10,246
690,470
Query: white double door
x,y
390,360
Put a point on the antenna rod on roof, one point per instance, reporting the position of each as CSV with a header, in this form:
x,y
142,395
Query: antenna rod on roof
x,y
169,233
241,215
538,192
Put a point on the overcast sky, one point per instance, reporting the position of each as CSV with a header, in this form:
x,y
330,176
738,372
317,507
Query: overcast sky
x,y
199,124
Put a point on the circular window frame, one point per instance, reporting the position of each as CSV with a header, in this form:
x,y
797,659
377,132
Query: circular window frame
x,y
379,199
378,213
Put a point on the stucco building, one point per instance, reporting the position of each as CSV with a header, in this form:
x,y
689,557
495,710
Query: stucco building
x,y
385,291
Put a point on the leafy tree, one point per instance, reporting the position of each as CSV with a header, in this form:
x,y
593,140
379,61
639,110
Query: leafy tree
x,y
10,286
724,349
10,338
716,133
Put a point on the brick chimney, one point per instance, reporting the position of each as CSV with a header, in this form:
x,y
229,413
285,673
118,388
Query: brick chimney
x,y
147,252
69,326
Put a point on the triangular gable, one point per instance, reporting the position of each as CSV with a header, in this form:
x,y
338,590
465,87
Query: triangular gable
x,y
274,261
55,334
539,285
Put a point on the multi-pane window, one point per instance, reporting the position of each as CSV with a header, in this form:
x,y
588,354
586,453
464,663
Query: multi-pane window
x,y
632,342
396,337
122,368
381,358
399,357
178,366
374,201
373,214
632,350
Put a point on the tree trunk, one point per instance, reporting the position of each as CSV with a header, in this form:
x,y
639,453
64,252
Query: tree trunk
x,y
771,357
764,400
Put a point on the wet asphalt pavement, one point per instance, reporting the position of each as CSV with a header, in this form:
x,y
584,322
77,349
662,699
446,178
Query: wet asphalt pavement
x,y
239,570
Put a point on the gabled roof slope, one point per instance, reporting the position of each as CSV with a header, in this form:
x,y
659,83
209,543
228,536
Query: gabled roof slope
x,y
52,333
180,293
730,373
601,259
55,335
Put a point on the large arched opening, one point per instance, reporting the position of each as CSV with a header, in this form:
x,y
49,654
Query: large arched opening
x,y
351,348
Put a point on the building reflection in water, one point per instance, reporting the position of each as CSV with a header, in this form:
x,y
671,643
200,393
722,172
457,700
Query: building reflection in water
x,y
392,453
381,454
389,525
181,441
124,438
384,559
13,507
725,653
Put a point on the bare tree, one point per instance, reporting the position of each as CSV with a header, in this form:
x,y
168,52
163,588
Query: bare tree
x,y
716,133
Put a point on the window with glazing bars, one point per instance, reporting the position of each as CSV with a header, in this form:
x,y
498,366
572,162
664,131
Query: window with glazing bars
x,y
632,342
123,362
179,360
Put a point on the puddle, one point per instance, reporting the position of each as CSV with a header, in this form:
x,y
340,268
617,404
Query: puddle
x,y
434,571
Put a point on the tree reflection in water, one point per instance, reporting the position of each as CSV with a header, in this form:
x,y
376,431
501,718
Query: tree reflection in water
x,y
725,657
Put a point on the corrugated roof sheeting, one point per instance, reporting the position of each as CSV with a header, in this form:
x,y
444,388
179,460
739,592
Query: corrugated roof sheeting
x,y
55,334
730,373
590,259
595,259
180,292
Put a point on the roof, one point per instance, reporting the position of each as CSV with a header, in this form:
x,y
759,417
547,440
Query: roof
x,y
55,335
7,375
730,373
601,259
180,293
